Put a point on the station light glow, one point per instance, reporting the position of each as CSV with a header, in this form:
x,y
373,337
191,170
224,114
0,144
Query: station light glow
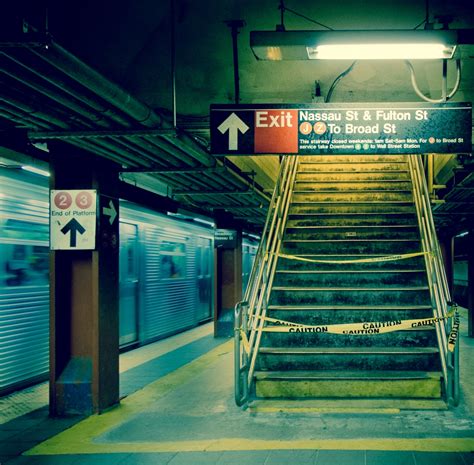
x,y
207,223
399,44
33,169
410,51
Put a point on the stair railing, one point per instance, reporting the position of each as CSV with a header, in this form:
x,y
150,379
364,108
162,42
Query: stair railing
x,y
438,284
251,311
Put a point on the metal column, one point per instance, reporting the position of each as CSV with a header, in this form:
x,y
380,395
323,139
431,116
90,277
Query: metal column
x,y
84,342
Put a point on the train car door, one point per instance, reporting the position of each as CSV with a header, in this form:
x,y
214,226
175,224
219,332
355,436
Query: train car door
x,y
128,310
204,278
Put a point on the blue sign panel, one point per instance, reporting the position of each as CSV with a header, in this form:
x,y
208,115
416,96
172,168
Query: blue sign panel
x,y
342,128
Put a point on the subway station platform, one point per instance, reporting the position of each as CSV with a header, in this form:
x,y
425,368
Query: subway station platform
x,y
177,407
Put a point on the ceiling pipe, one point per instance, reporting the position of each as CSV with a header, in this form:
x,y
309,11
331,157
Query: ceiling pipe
x,y
33,113
75,68
62,60
68,102
14,117
45,73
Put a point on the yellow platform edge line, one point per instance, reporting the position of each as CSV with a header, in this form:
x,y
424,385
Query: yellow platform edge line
x,y
232,444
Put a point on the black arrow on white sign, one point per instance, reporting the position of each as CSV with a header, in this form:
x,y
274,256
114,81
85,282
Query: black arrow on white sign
x,y
233,124
73,227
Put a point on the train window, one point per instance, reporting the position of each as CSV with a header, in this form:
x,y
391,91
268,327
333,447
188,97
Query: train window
x,y
206,258
199,260
173,260
26,230
26,265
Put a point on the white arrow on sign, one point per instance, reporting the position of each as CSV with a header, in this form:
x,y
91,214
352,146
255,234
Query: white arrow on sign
x,y
233,124
111,212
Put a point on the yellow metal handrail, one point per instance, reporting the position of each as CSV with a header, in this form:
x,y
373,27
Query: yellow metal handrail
x,y
248,321
438,284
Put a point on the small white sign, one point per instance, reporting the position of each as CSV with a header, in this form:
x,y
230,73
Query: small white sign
x,y
73,218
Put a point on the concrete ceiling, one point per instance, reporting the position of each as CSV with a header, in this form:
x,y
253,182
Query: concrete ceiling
x,y
130,42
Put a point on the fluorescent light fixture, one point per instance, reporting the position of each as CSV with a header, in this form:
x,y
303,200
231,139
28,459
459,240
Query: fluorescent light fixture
x,y
465,233
379,51
207,223
253,236
33,169
358,45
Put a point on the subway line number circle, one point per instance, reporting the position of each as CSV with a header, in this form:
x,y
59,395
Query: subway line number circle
x,y
84,200
63,200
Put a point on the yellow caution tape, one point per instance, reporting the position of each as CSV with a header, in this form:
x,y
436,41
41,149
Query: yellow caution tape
x,y
453,335
387,258
245,341
366,328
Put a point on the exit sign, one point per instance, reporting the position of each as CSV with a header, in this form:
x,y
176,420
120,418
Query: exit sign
x,y
341,128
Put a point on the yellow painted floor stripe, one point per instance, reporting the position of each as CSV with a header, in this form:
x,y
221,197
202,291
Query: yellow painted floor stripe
x,y
80,438
239,444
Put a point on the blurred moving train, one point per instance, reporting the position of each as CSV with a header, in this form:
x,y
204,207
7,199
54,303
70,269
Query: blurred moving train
x,y
166,276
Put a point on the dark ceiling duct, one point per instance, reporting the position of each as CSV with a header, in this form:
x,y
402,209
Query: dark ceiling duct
x,y
72,66
48,91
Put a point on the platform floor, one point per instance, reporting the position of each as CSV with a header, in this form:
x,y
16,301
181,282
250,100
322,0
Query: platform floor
x,y
178,409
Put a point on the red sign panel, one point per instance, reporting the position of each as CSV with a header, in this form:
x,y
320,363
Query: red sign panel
x,y
276,131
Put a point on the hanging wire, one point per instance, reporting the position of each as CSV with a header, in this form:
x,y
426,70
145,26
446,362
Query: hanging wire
x,y
283,8
431,100
427,15
336,81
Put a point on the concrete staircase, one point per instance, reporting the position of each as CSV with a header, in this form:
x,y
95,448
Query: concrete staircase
x,y
346,207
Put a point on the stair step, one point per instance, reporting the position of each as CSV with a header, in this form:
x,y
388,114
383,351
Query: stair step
x,y
359,183
353,168
418,295
423,336
350,197
350,246
355,214
298,265
317,176
373,358
348,240
338,209
349,308
336,227
325,272
350,202
336,224
349,289
359,384
329,235
310,189
379,278
349,375
353,158
353,187
365,406
348,350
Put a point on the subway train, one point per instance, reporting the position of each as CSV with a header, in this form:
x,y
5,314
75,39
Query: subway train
x,y
166,276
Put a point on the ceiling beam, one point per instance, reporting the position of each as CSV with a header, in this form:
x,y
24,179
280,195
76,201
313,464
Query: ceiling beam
x,y
43,135
160,170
